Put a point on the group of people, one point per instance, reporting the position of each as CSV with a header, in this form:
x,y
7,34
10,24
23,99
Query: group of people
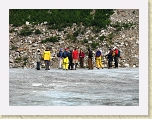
x,y
46,56
69,59
113,54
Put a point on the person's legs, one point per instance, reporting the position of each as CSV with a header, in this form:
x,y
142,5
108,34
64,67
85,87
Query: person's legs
x,y
91,63
60,63
66,63
38,65
63,64
76,63
116,61
100,62
45,64
82,62
97,62
48,65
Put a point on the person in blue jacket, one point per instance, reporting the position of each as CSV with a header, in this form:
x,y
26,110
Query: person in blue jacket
x,y
65,56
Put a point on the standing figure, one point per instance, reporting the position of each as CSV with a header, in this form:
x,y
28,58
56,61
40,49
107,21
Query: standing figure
x,y
59,55
116,56
110,58
47,57
70,60
38,59
90,56
98,58
65,56
75,56
81,57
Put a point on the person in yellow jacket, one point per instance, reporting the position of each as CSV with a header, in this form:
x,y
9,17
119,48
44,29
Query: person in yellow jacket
x,y
47,57
98,58
65,61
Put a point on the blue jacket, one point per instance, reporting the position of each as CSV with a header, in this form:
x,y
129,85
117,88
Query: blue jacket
x,y
60,53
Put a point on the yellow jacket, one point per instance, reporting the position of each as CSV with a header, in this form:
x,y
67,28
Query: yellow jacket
x,y
46,55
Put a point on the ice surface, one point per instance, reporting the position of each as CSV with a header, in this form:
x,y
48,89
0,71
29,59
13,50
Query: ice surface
x,y
57,87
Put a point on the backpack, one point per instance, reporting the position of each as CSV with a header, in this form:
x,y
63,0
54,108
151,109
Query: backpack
x,y
98,53
90,54
118,53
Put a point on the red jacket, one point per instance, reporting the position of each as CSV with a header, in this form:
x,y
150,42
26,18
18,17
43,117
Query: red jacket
x,y
75,54
116,51
81,54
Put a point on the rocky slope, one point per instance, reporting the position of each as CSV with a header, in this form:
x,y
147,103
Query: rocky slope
x,y
22,48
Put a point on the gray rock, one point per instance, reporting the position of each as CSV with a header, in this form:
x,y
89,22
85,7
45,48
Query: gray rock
x,y
124,40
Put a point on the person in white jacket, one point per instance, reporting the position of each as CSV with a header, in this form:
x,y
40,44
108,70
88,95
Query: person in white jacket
x,y
38,59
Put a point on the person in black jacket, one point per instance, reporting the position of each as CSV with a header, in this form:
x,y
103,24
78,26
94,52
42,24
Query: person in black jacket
x,y
110,58
70,60
59,55
90,56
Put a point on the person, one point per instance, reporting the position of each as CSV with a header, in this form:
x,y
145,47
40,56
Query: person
x,y
70,61
38,59
75,56
90,56
65,61
115,51
81,57
47,57
98,58
110,58
60,58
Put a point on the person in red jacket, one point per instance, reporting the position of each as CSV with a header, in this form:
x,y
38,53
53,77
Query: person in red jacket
x,y
81,57
116,56
75,56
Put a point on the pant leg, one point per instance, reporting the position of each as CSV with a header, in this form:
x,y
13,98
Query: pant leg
x,y
91,63
82,62
45,61
48,64
97,62
76,63
116,61
60,63
100,62
109,63
72,65
66,63
66,66
63,63
38,65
